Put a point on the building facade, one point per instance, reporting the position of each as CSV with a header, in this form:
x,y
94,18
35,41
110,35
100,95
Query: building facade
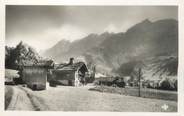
x,y
71,74
35,75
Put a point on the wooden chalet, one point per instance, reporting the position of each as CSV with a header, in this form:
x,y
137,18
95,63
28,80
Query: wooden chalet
x,y
71,74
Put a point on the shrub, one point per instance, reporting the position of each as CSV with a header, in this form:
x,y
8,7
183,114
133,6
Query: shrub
x,y
168,84
115,82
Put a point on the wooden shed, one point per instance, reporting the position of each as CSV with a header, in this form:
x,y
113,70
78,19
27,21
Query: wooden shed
x,y
35,75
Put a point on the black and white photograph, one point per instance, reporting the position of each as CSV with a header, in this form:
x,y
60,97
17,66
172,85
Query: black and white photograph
x,y
91,58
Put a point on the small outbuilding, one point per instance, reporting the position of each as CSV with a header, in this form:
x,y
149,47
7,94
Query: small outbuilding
x,y
35,75
71,74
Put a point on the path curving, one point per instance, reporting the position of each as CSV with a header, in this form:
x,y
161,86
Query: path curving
x,y
20,100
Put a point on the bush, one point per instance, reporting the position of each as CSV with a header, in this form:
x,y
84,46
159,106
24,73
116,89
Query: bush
x,y
120,84
168,85
115,82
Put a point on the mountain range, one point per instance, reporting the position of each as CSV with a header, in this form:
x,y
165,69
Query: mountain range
x,y
108,51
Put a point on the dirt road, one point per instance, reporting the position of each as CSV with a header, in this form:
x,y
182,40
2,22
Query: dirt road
x,y
20,100
66,98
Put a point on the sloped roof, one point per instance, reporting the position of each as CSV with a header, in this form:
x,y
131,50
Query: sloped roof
x,y
73,66
42,63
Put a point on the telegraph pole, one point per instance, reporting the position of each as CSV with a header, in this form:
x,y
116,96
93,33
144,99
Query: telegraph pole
x,y
139,79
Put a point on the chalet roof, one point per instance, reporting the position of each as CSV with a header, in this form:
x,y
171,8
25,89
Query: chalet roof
x,y
74,66
41,63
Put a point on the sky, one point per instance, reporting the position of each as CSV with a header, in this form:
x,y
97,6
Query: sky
x,y
43,26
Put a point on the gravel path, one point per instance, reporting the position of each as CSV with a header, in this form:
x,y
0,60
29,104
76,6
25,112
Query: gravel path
x,y
20,100
66,98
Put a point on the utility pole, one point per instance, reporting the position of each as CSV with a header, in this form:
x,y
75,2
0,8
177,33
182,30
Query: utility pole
x,y
139,79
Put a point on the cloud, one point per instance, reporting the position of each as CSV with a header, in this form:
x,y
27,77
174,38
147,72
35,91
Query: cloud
x,y
43,26
68,32
50,36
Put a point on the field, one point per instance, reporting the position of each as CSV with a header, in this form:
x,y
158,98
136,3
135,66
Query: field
x,y
65,98
145,92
